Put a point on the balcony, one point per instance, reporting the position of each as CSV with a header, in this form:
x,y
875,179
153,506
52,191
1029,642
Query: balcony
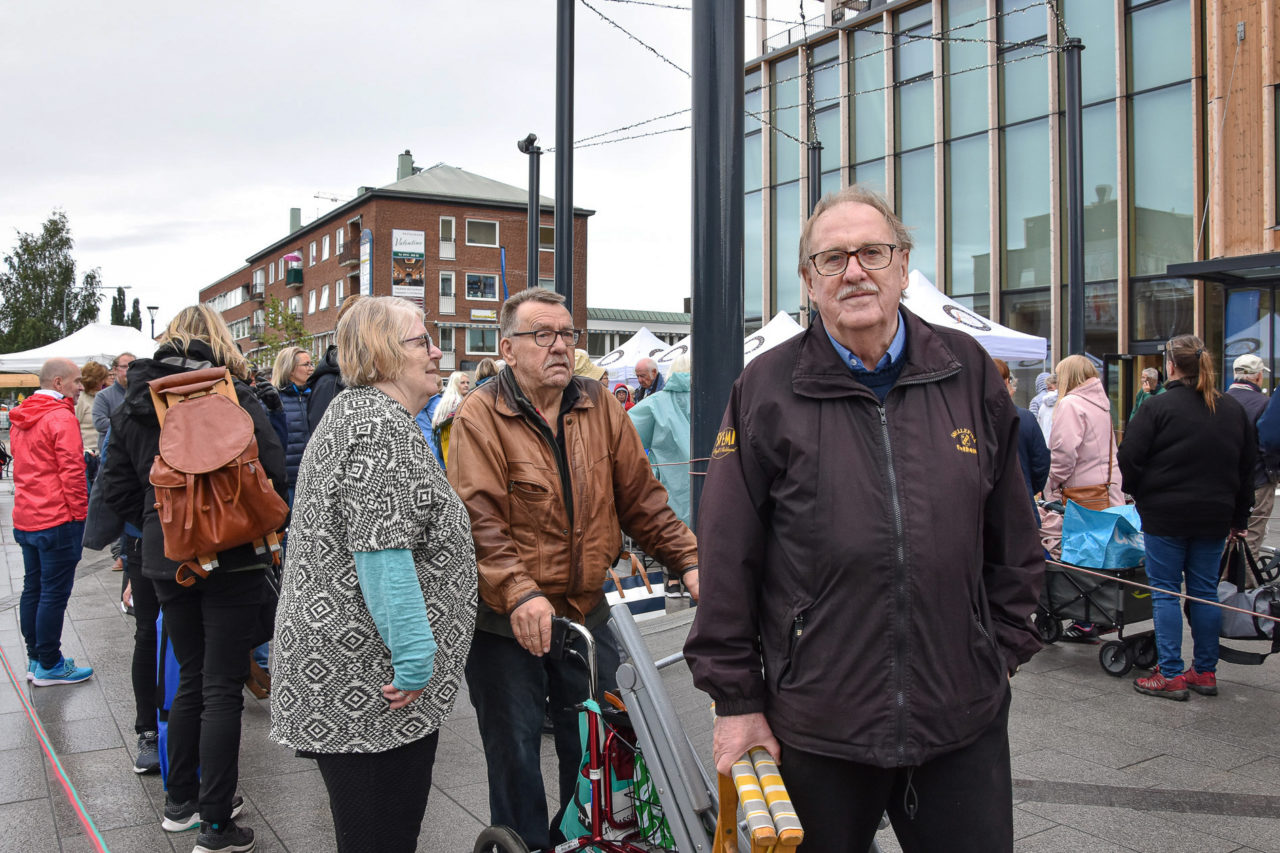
x,y
447,304
350,254
257,330
297,314
446,361
258,291
448,250
293,277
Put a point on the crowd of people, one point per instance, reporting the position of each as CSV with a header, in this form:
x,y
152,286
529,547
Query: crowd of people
x,y
436,529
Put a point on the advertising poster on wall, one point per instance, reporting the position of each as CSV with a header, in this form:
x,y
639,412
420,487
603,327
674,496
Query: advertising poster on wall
x,y
408,262
366,262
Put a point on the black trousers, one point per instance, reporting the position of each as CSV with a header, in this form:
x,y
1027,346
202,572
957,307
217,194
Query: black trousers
x,y
378,799
210,627
146,608
961,802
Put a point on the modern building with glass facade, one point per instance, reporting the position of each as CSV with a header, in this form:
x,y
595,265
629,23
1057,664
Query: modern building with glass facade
x,y
955,110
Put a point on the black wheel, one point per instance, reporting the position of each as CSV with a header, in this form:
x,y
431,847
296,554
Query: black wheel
x,y
1144,652
499,839
1115,657
1049,628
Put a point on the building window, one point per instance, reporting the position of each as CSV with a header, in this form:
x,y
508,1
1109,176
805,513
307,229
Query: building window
x,y
295,305
597,344
1101,258
966,93
339,238
482,341
259,277
282,268
1162,160
324,248
1160,309
444,339
1025,206
826,102
867,86
1024,70
481,286
446,284
324,298
785,115
311,303
1159,45
271,273
788,216
312,254
968,216
916,205
546,238
339,292
547,283
913,71
752,257
259,317
481,232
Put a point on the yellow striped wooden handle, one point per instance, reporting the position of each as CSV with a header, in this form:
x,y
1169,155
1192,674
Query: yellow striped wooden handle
x,y
785,820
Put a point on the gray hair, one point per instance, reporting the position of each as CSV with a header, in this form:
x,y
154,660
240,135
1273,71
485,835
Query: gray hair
x,y
855,194
507,317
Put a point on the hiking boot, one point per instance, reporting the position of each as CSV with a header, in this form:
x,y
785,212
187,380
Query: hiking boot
x,y
1167,688
1204,683
223,838
148,760
65,672
1081,632
179,817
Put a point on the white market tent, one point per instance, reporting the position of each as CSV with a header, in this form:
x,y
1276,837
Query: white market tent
x,y
782,327
621,362
100,342
930,304
667,359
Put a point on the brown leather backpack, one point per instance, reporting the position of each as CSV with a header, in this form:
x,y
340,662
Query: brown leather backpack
x,y
212,493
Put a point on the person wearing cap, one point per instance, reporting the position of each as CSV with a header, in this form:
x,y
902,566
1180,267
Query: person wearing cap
x,y
1247,390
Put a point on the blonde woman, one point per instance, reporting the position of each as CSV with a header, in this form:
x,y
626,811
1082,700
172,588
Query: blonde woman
x,y
442,418
290,373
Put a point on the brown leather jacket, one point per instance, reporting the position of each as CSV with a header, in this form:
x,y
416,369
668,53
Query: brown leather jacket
x,y
530,540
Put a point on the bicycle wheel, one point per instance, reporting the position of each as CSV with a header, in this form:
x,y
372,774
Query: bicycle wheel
x,y
499,839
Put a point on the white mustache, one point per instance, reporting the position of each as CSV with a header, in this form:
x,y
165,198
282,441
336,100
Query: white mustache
x,y
851,289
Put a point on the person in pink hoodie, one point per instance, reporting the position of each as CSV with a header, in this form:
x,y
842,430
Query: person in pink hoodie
x,y
1082,448
50,502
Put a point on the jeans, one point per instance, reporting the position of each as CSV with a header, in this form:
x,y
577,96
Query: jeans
x,y
1170,559
49,558
209,627
510,688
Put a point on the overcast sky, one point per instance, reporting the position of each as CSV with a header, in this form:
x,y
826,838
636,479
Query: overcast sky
x,y
177,136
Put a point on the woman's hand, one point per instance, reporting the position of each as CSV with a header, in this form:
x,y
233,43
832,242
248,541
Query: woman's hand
x,y
397,697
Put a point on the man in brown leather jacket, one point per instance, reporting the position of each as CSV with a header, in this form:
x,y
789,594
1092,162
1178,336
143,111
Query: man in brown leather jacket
x,y
551,471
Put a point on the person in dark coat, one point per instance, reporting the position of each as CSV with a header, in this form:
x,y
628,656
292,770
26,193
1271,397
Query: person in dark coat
x,y
1247,391
1187,459
326,382
292,369
1033,453
206,622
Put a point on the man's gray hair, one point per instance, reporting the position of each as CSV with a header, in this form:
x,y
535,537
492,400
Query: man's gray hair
x,y
855,194
115,362
507,317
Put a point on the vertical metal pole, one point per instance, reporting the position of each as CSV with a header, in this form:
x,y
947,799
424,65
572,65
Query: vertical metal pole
x,y
564,151
535,207
815,175
1075,199
717,218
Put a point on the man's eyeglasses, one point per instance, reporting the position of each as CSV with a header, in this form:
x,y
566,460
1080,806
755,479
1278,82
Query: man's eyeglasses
x,y
547,337
424,337
873,256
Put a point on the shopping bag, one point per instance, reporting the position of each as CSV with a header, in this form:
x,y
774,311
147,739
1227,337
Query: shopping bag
x,y
1110,538
619,758
1265,599
641,591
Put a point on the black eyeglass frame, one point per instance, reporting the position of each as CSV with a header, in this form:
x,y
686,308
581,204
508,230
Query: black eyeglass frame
x,y
853,253
555,333
425,337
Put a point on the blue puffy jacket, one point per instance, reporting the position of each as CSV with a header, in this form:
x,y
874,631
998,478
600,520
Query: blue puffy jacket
x,y
298,432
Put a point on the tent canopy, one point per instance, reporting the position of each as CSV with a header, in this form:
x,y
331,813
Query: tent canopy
x,y
621,362
100,342
931,305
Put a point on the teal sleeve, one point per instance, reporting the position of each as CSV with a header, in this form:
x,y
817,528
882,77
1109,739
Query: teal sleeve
x,y
389,582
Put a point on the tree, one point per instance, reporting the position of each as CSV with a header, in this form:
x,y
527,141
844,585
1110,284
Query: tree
x,y
117,307
282,329
40,301
135,316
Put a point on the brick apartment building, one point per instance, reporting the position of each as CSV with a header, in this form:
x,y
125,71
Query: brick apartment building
x,y
435,236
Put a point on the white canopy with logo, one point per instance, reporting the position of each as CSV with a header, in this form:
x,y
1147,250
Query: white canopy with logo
x,y
933,306
621,362
100,342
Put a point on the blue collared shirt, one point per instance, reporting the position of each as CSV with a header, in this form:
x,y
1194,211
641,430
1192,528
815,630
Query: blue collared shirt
x,y
895,350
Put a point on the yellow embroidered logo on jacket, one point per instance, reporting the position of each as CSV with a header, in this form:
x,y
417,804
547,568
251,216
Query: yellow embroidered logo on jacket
x,y
726,443
965,440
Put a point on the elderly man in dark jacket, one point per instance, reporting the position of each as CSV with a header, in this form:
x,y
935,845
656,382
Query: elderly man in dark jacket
x,y
1247,391
868,571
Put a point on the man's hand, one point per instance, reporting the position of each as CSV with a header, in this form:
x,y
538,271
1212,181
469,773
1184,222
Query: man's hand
x,y
736,734
690,581
531,623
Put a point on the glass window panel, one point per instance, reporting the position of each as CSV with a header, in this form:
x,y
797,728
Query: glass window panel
x,y
1094,22
1247,322
1101,249
753,163
869,175
1025,203
1159,45
915,208
966,93
1163,169
751,101
482,341
786,118
828,122
482,286
1024,84
753,254
1160,309
831,182
1021,21
914,54
826,85
978,303
915,114
826,52
787,219
1026,311
968,216
1101,318
867,86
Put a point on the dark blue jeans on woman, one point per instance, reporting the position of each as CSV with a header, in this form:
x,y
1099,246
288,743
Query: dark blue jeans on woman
x,y
1170,560
210,627
49,558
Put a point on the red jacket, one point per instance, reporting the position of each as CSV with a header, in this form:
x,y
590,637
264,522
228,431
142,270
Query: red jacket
x,y
48,464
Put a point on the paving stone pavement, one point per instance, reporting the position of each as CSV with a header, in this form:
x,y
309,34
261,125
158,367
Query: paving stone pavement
x,y
1096,766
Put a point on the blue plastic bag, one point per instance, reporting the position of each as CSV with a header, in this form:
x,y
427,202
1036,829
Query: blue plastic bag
x,y
1102,539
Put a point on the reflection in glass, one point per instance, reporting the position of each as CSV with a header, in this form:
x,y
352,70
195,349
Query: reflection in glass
x,y
1021,21
870,175
966,93
1094,22
1160,309
787,219
968,216
1248,322
1159,45
1027,311
826,83
828,122
753,254
1101,318
1024,84
1163,167
915,208
752,164
914,105
751,101
867,87
1101,259
1024,188
831,182
786,119
913,55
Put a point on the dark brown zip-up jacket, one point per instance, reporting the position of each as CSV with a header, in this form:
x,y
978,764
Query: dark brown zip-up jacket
x,y
532,535
867,571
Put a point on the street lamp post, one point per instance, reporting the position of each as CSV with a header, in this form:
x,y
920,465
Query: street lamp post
x,y
152,309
